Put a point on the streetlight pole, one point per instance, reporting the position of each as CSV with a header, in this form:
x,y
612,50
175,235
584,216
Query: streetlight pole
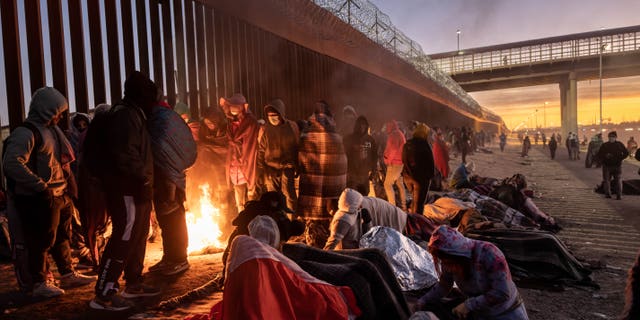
x,y
544,112
458,33
602,48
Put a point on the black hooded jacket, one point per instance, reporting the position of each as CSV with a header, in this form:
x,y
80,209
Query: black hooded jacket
x,y
278,145
361,150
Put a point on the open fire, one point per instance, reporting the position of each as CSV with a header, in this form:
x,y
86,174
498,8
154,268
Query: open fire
x,y
203,223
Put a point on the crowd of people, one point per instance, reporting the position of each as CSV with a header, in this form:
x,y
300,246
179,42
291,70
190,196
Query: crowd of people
x,y
323,183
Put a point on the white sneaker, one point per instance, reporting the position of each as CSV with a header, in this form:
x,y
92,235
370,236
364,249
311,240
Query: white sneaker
x,y
75,279
46,290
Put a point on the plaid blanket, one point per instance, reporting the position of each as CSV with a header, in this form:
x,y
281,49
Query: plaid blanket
x,y
323,170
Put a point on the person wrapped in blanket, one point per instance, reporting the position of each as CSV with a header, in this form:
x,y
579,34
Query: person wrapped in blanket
x,y
262,283
272,204
357,214
480,271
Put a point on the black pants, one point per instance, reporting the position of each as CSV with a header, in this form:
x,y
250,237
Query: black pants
x,y
169,206
283,181
359,183
46,225
127,245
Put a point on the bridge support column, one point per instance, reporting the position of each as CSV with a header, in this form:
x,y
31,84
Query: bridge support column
x,y
569,105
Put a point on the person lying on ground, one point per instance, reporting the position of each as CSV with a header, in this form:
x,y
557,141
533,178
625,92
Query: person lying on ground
x,y
271,204
480,271
262,283
357,214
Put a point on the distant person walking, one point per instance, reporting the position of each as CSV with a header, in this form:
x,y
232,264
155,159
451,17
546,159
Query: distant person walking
x,y
503,141
526,145
611,154
553,146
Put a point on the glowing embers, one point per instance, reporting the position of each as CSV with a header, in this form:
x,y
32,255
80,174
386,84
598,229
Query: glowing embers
x,y
203,224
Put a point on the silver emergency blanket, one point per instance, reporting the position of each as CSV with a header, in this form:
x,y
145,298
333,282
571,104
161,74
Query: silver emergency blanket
x,y
412,265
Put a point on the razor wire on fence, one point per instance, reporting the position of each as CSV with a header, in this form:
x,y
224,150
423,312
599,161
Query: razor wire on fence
x,y
365,17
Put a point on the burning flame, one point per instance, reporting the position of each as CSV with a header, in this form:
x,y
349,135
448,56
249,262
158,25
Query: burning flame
x,y
203,226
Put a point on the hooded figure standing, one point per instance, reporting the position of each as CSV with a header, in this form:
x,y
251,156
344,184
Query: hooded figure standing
x,y
278,152
174,151
210,166
243,131
611,154
362,156
393,160
36,164
480,271
128,183
323,174
347,121
419,167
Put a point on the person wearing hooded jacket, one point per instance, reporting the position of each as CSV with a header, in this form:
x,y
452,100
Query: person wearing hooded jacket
x,y
278,152
480,271
357,214
128,183
40,196
174,151
362,156
393,161
242,130
419,167
323,174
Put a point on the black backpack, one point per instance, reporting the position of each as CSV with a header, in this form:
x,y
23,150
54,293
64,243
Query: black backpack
x,y
95,155
33,158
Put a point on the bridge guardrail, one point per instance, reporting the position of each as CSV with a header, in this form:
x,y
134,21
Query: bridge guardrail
x,y
573,49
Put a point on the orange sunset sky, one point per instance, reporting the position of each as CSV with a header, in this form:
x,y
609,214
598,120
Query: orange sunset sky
x,y
620,102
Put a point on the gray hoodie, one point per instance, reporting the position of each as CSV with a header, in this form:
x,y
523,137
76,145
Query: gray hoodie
x,y
46,103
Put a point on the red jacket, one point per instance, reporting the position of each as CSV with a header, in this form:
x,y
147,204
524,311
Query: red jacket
x,y
395,142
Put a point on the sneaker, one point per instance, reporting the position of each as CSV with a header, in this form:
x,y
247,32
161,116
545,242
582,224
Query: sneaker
x,y
173,268
608,196
159,266
618,197
46,290
140,290
111,302
75,279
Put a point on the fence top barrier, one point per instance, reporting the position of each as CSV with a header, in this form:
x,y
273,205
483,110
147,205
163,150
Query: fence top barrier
x,y
365,17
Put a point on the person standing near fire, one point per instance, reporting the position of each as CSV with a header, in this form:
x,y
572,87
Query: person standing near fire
x,y
243,131
278,152
174,151
36,163
323,174
128,183
362,156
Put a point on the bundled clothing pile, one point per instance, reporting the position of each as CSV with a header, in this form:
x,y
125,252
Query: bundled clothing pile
x,y
366,271
279,288
493,209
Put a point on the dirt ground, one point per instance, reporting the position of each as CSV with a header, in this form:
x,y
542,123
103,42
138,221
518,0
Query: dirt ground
x,y
563,189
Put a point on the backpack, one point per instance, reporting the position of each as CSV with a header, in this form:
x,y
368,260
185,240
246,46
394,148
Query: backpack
x,y
33,158
95,156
